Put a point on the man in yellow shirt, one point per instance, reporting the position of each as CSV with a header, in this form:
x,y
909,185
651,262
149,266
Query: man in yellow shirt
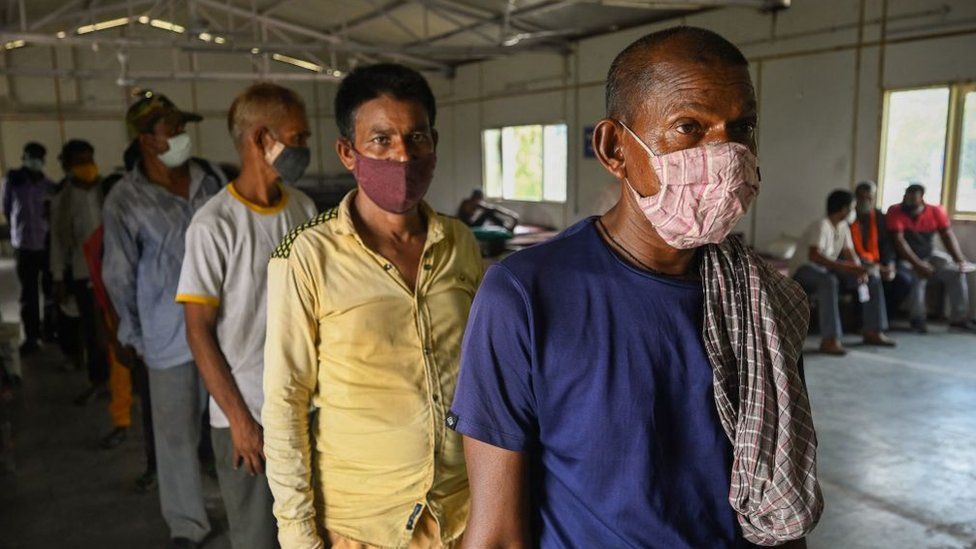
x,y
367,304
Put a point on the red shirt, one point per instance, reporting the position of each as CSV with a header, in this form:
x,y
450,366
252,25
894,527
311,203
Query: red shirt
x,y
92,248
918,230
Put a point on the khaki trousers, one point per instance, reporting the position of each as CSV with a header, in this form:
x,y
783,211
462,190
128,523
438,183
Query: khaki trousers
x,y
426,535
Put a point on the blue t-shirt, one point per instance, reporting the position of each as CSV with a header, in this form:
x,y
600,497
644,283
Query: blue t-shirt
x,y
598,371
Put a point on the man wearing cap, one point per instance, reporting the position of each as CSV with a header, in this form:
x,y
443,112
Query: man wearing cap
x,y
145,218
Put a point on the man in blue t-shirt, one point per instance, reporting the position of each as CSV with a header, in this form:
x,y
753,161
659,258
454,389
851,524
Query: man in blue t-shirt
x,y
586,393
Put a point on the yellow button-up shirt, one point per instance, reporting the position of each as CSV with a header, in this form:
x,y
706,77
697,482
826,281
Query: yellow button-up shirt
x,y
377,361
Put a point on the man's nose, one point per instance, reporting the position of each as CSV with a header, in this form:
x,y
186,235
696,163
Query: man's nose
x,y
400,151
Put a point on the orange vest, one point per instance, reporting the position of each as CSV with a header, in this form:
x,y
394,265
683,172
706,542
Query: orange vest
x,y
868,252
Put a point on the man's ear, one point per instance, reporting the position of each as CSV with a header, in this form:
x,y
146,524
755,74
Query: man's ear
x,y
435,136
257,137
347,155
147,141
608,147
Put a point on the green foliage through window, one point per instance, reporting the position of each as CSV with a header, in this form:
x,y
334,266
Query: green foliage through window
x,y
527,163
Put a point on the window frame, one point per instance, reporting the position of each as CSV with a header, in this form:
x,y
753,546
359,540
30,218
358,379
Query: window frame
x,y
484,171
954,138
952,153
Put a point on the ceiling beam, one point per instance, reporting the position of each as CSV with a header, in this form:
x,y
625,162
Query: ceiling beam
x,y
477,13
385,13
390,51
449,15
54,15
191,44
497,19
102,74
365,18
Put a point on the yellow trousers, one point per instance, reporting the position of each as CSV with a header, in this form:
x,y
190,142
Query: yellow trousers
x,y
427,535
120,388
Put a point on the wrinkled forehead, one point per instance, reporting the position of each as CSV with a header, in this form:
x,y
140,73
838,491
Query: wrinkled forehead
x,y
713,88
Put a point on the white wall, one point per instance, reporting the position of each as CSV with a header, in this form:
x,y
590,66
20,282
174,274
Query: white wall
x,y
818,91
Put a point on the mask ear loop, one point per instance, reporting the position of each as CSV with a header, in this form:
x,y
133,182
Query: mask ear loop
x,y
662,185
272,153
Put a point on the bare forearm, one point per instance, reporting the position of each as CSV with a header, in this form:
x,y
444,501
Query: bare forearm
x,y
951,244
499,497
818,258
905,251
216,372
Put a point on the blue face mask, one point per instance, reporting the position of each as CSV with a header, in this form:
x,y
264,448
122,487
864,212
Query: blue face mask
x,y
34,164
289,162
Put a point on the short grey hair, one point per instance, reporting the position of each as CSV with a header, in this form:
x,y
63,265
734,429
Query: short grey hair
x,y
259,104
866,185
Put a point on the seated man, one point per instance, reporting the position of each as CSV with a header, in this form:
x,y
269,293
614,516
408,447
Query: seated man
x,y
475,212
825,263
913,224
874,247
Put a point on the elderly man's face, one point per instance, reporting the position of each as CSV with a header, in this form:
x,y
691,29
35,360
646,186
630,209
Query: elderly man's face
x,y
865,199
691,105
292,129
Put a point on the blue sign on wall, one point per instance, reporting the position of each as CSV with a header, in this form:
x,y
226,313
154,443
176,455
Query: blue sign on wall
x,y
588,142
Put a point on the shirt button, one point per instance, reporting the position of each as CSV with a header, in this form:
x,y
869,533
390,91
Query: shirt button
x,y
437,398
426,350
462,278
428,266
387,267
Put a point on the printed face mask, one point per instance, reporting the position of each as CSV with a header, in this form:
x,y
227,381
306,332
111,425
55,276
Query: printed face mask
x,y
395,187
289,162
704,192
179,151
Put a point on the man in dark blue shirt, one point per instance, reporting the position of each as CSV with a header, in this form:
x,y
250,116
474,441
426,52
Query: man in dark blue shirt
x,y
586,393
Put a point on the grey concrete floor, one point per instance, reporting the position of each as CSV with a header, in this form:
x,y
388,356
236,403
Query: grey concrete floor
x,y
897,430
65,491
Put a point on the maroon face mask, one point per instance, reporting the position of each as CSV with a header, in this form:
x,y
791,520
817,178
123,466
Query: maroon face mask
x,y
395,187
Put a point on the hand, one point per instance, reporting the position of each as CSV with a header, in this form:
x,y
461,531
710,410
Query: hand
x,y
888,272
248,439
856,270
126,354
925,269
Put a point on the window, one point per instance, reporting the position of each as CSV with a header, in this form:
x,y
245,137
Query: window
x,y
965,199
527,163
930,138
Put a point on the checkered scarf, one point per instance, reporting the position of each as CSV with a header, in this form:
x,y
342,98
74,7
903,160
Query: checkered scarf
x,y
755,323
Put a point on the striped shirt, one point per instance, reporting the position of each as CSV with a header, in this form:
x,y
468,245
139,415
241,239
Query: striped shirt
x,y
145,227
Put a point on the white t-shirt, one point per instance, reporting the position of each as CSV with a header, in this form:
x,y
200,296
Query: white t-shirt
x,y
829,239
228,245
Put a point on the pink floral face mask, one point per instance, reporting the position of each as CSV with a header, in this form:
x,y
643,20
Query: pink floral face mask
x,y
704,192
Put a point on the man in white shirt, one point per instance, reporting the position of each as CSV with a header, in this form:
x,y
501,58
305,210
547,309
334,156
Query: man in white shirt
x,y
825,263
223,288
